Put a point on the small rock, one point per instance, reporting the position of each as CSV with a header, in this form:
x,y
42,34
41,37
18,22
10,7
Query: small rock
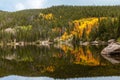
x,y
85,43
95,42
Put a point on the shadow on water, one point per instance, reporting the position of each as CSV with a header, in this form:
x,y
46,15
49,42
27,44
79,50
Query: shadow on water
x,y
56,61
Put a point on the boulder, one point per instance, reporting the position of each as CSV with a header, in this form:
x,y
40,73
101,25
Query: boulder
x,y
111,41
10,30
111,48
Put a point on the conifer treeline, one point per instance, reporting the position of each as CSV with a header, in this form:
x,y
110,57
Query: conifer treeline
x,y
42,29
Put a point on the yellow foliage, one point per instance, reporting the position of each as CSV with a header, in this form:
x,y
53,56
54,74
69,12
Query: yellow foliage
x,y
80,25
46,16
65,36
87,23
49,16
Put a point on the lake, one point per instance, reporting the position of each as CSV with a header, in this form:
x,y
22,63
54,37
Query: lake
x,y
37,62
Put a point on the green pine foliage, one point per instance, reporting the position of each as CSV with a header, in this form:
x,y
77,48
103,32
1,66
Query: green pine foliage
x,y
42,29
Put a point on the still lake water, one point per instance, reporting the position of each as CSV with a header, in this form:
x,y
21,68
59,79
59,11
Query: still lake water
x,y
57,62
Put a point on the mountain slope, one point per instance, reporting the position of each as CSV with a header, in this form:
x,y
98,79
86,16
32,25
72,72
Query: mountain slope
x,y
54,22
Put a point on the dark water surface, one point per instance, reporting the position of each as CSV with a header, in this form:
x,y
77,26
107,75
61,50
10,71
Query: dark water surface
x,y
57,62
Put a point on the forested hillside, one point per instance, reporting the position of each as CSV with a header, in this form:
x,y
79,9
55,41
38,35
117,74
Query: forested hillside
x,y
86,23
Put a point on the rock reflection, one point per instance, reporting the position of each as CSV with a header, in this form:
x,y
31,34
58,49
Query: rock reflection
x,y
113,58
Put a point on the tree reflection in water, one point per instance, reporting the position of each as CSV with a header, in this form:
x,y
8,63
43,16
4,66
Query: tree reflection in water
x,y
57,61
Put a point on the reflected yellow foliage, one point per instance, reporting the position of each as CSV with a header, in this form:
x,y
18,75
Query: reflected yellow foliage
x,y
83,57
50,69
44,68
66,48
86,58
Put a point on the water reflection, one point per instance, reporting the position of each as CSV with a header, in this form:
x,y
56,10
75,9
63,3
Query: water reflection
x,y
113,58
57,61
84,55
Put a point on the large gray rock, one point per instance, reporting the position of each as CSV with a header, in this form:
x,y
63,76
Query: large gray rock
x,y
111,48
111,41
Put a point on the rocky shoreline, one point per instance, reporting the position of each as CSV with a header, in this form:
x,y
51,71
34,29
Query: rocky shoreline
x,y
48,42
112,52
